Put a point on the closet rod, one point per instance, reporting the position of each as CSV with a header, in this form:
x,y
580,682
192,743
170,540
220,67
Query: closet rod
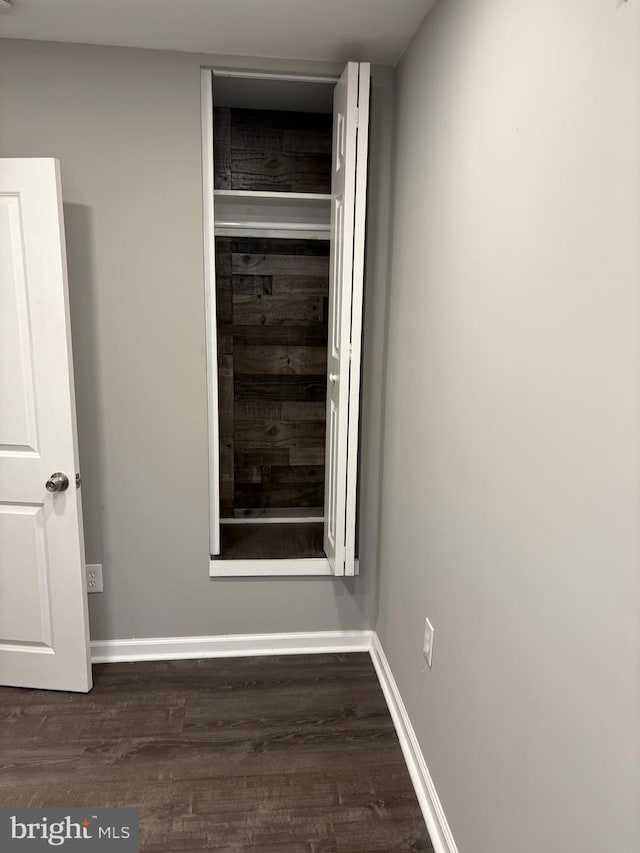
x,y
272,226
273,233
271,519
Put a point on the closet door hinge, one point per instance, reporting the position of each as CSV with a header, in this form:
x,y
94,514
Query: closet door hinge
x,y
357,117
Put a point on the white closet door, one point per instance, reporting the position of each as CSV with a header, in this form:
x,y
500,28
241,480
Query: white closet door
x,y
348,191
208,219
44,630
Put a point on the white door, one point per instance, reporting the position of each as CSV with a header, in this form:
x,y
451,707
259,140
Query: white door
x,y
44,632
346,264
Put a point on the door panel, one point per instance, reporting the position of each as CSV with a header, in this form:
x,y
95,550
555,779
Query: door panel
x,y
44,636
348,190
24,606
18,432
357,299
330,477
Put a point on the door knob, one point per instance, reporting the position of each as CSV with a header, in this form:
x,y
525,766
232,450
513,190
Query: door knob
x,y
333,377
57,482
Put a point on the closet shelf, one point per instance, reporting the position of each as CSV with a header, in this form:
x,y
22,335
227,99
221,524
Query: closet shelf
x,y
284,196
244,211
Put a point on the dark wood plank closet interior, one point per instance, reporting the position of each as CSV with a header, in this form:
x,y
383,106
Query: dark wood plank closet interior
x,y
272,150
272,304
272,541
289,754
272,356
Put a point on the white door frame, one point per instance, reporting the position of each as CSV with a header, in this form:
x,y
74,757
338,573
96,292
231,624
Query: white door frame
x,y
219,568
208,218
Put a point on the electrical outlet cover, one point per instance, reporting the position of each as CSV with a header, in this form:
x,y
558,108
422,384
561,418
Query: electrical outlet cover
x,y
94,578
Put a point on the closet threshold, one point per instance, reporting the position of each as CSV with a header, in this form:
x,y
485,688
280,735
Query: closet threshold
x,y
302,567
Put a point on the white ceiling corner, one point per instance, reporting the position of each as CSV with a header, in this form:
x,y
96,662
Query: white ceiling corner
x,y
324,30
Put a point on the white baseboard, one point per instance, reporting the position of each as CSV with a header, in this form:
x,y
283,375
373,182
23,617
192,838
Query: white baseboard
x,y
232,645
432,810
299,643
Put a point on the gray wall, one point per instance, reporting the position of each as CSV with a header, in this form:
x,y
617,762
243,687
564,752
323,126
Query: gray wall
x,y
125,125
511,500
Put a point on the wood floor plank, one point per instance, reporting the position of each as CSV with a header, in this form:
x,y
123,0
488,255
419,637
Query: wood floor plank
x,y
267,542
283,754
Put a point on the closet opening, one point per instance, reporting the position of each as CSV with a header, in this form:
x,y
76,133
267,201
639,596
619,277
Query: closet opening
x,y
271,149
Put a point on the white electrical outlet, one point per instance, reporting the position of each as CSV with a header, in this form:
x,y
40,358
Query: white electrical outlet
x,y
94,578
427,647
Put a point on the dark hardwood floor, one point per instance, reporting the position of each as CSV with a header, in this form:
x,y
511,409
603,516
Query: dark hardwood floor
x,y
288,754
271,541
